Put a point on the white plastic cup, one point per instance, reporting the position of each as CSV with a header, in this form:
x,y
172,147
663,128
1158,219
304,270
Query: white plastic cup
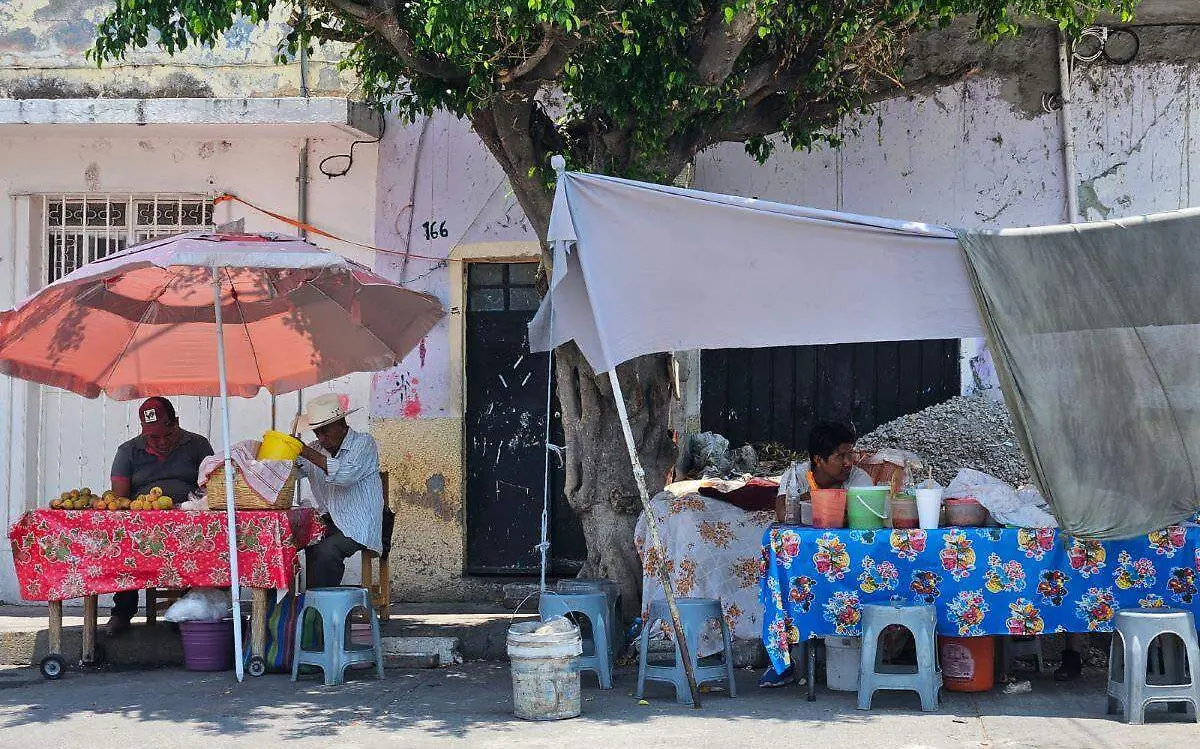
x,y
929,507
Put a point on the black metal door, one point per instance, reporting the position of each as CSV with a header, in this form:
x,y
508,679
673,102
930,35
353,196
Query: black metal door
x,y
505,431
777,394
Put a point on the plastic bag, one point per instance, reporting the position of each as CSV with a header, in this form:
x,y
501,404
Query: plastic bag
x,y
200,605
1026,509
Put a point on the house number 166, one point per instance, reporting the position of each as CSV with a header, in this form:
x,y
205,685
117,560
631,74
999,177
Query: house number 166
x,y
434,229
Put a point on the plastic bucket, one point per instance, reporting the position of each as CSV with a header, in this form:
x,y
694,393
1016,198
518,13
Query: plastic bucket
x,y
842,655
966,512
865,506
279,446
902,512
545,669
929,507
207,646
968,663
829,508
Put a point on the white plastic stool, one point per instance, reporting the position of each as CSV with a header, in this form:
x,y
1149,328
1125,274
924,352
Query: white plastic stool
x,y
1129,662
925,678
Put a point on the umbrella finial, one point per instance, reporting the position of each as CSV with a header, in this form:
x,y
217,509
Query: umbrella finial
x,y
559,163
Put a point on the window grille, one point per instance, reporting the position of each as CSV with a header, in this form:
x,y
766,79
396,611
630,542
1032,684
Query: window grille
x,y
81,228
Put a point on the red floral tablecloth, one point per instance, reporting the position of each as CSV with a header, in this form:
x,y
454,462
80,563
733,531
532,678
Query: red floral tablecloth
x,y
64,554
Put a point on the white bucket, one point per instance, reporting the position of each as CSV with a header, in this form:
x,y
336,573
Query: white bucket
x,y
842,655
929,507
545,669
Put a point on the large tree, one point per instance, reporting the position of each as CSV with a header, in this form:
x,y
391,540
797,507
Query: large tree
x,y
634,88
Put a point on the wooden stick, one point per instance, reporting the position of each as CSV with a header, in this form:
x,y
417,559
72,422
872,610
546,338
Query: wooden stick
x,y
56,628
89,629
258,623
639,476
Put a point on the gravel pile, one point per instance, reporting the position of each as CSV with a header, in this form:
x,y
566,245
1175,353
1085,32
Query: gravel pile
x,y
963,432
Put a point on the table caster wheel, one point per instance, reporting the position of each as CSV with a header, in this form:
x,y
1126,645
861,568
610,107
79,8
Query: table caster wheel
x,y
52,667
257,667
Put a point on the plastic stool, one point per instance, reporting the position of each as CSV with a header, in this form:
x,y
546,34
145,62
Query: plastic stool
x,y
925,678
608,588
334,606
1129,662
1023,646
595,608
694,615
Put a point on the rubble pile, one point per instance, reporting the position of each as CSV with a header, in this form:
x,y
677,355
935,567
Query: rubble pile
x,y
963,432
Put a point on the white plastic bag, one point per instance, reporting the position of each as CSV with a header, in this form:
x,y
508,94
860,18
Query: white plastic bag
x,y
200,605
1025,509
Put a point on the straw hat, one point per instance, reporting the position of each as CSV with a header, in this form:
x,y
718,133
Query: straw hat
x,y
326,409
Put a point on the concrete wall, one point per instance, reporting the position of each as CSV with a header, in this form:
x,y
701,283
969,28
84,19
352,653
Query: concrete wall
x,y
973,156
42,45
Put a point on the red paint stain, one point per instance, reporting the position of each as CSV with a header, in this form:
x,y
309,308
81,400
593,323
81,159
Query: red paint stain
x,y
422,352
412,407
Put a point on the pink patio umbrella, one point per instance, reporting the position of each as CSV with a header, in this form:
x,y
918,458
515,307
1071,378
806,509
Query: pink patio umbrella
x,y
283,313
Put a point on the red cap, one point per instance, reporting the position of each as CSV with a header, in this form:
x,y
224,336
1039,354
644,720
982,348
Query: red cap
x,y
156,416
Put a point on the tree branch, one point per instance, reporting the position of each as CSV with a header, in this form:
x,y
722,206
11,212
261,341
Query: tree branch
x,y
716,51
380,16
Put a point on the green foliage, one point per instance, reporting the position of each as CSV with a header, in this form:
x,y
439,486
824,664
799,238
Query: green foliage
x,y
636,94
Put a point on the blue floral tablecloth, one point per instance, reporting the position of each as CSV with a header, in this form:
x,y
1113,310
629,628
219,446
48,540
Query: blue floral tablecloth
x,y
983,581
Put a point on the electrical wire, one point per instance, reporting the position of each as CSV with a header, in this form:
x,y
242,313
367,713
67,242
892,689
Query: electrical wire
x,y
350,156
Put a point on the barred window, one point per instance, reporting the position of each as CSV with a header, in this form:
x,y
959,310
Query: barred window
x,y
81,228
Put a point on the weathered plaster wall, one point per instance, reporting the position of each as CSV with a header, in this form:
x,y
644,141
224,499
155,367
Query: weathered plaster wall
x,y
42,45
435,171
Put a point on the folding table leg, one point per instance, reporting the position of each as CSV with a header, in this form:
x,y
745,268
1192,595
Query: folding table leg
x,y
56,628
810,657
258,623
89,629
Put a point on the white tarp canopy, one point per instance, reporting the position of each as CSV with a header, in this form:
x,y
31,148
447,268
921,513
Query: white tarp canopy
x,y
643,268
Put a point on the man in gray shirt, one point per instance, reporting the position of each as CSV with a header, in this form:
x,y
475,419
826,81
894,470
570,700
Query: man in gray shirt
x,y
164,455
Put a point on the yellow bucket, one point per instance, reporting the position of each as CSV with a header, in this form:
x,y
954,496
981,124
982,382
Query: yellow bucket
x,y
279,446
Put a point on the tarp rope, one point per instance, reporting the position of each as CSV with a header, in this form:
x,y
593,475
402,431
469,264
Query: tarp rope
x,y
230,197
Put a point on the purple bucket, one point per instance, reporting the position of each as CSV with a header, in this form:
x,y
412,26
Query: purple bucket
x,y
207,646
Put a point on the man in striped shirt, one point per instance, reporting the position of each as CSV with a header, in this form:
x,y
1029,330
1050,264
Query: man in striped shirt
x,y
342,467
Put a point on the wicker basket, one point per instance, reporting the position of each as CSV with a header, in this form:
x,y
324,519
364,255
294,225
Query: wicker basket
x,y
245,498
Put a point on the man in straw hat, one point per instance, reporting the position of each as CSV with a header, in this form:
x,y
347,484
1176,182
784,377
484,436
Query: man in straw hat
x,y
342,467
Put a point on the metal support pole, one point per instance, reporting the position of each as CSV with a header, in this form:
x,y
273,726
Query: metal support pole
x,y
639,477
1070,178
230,517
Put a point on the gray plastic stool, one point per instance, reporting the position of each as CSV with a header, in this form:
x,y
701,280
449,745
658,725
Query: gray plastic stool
x,y
334,606
694,615
595,608
925,678
1021,647
608,588
1129,662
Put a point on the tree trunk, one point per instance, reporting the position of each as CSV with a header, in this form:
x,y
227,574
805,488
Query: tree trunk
x,y
599,479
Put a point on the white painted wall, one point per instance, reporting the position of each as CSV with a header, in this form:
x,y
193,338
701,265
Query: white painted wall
x,y
78,437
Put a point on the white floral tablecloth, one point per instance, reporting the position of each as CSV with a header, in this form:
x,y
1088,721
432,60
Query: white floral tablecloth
x,y
714,550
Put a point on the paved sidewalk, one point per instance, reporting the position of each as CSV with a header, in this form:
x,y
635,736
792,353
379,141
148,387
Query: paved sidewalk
x,y
470,706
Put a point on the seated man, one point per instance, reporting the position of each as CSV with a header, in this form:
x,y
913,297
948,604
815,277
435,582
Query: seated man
x,y
342,468
832,464
165,456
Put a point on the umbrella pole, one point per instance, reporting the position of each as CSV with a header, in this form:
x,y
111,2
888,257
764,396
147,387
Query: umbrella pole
x,y
230,518
639,476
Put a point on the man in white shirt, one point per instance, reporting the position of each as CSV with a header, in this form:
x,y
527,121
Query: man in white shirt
x,y
833,465
342,467
832,462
